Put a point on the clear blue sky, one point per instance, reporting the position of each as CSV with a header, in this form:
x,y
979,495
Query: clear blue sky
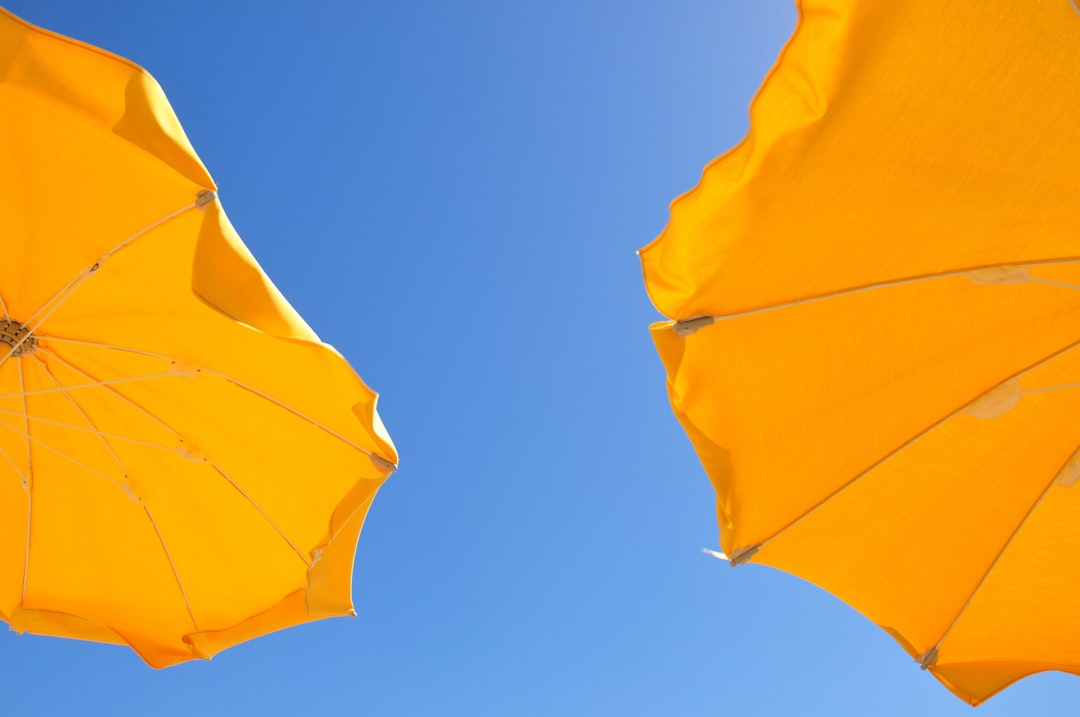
x,y
452,194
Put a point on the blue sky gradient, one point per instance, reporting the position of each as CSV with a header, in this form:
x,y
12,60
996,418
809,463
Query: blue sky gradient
x,y
452,194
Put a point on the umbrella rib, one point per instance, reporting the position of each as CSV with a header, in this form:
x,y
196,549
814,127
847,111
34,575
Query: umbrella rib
x,y
695,322
235,382
26,552
51,449
3,308
365,504
1048,389
73,427
108,387
28,484
113,347
57,300
295,412
172,565
26,424
123,469
14,466
928,658
29,508
65,389
89,422
213,465
751,550
201,201
261,512
108,445
1051,282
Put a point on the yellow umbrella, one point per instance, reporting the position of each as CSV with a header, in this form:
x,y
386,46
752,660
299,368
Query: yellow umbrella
x,y
183,464
876,301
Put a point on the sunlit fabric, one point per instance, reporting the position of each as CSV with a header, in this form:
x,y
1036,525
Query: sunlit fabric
x,y
183,464
877,354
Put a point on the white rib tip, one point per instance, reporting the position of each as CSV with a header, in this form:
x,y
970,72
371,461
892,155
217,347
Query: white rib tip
x,y
715,553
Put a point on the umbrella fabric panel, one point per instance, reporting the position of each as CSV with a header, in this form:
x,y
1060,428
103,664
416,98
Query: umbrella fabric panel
x,y
93,87
196,335
253,524
96,157
883,125
839,384
1030,597
948,520
1027,606
64,188
92,154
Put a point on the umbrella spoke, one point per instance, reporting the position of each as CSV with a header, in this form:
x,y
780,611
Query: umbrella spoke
x,y
65,389
172,565
748,551
3,308
176,433
26,425
29,509
14,466
27,482
75,404
26,551
299,414
108,387
128,401
240,384
687,326
204,198
261,512
57,300
1051,282
73,427
1060,387
929,657
363,506
112,347
41,444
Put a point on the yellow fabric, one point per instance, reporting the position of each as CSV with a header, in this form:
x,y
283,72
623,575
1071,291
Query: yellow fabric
x,y
183,465
851,249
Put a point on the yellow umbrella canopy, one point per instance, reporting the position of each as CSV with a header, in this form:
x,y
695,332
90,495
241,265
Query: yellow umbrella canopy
x,y
875,302
183,464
